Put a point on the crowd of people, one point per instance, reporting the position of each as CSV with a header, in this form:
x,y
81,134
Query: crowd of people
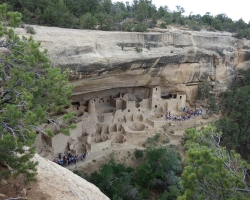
x,y
69,159
188,113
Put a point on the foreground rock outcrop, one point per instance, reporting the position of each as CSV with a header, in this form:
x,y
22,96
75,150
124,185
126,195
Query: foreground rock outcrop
x,y
60,183
106,63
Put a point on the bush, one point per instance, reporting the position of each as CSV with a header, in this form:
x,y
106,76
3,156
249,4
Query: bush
x,y
150,141
30,29
127,27
220,52
138,153
195,27
138,49
140,28
163,25
167,140
243,33
157,137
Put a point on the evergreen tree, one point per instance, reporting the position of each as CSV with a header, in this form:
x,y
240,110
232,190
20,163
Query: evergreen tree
x,y
88,21
212,172
49,16
63,14
107,5
142,12
31,93
38,14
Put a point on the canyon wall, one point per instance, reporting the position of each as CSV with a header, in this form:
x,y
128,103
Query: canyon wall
x,y
108,63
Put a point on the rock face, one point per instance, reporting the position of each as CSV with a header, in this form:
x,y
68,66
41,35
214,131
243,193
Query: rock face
x,y
108,63
60,183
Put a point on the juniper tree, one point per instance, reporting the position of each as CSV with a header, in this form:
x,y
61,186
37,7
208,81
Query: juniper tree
x,y
31,93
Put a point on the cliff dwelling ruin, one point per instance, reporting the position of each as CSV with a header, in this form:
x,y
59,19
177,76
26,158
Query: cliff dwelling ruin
x,y
105,120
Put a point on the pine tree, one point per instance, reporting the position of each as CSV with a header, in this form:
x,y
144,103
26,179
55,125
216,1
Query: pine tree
x,y
212,172
31,93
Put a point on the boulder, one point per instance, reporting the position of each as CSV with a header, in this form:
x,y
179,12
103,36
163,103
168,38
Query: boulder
x,y
60,183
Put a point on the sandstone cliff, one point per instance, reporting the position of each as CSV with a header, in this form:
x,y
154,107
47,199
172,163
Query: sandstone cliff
x,y
57,182
112,62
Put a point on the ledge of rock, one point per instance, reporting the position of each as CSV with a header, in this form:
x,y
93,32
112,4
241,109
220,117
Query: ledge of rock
x,y
176,60
60,183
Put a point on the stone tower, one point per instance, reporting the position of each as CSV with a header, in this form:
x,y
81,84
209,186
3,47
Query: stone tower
x,y
91,107
155,102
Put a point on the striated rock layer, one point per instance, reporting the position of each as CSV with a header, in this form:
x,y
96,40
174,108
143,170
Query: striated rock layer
x,y
106,63
60,183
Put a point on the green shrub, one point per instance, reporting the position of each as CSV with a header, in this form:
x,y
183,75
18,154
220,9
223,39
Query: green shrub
x,y
163,25
138,49
150,141
195,27
157,137
243,33
140,28
127,27
30,29
167,140
220,52
138,153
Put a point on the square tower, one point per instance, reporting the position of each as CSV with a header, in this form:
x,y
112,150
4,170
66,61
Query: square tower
x,y
155,97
